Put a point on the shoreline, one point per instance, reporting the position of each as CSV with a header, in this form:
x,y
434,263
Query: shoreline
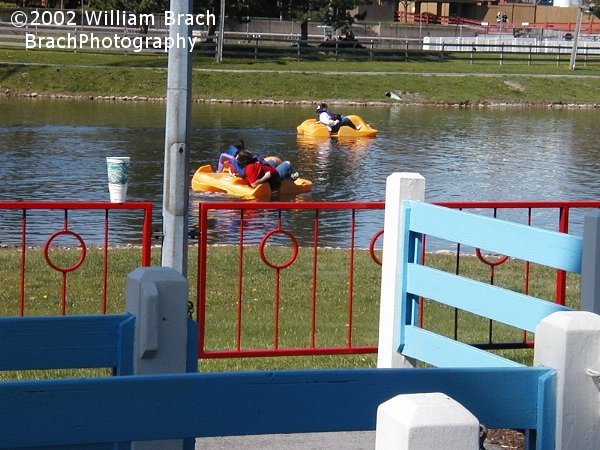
x,y
457,104
460,85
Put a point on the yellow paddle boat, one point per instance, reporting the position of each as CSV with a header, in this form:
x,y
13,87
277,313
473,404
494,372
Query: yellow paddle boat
x,y
310,127
205,180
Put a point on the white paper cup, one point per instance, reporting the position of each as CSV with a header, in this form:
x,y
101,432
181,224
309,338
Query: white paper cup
x,y
118,192
118,169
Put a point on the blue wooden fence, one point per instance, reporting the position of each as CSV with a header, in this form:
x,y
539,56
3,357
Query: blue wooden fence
x,y
73,412
68,342
556,250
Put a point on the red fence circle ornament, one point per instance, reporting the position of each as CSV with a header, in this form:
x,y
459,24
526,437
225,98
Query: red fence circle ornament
x,y
372,247
490,263
261,249
67,233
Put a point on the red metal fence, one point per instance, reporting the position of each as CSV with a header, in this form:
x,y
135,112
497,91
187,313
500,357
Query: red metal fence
x,y
587,27
258,223
254,224
49,225
306,229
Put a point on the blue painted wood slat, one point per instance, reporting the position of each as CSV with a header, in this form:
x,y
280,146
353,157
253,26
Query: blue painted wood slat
x,y
124,349
502,305
68,412
441,351
546,412
60,342
407,310
549,248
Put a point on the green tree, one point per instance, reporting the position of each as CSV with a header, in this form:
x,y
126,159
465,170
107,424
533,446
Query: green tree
x,y
239,11
135,6
341,19
330,12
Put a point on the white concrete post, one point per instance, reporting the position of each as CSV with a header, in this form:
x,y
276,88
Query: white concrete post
x,y
158,298
399,186
431,421
569,342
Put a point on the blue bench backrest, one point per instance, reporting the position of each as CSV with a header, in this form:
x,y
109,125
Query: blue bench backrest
x,y
556,250
30,343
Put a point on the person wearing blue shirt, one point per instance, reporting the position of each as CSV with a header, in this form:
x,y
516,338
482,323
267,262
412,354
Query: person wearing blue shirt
x,y
229,156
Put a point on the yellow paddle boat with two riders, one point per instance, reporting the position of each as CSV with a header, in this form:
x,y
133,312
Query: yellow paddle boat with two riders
x,y
205,180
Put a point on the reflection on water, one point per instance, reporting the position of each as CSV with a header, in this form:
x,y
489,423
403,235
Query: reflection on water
x,y
55,150
332,165
324,144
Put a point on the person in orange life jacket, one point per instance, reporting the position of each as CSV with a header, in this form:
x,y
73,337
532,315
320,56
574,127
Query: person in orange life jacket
x,y
229,156
264,171
332,121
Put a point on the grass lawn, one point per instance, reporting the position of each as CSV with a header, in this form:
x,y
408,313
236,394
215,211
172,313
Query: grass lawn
x,y
43,294
286,79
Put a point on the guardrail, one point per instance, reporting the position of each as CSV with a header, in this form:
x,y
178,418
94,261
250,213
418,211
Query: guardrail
x,y
257,224
246,226
522,212
243,226
589,27
480,49
45,226
502,48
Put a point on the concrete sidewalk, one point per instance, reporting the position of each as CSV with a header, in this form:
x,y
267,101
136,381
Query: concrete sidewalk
x,y
356,440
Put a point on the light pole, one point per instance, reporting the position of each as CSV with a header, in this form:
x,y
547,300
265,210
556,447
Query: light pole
x,y
82,13
576,38
177,129
582,9
221,33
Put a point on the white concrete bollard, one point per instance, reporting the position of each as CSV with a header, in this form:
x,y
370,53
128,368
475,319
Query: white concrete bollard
x,y
399,186
569,341
428,421
158,297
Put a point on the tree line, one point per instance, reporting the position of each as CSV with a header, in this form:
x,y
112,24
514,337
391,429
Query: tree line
x,y
335,13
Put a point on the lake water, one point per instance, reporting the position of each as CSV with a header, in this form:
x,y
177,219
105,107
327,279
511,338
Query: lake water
x,y
55,150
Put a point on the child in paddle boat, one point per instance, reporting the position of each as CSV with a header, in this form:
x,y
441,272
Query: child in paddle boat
x,y
333,121
229,156
259,171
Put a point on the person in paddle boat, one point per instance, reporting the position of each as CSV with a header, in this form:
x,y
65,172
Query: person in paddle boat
x,y
229,156
333,121
259,171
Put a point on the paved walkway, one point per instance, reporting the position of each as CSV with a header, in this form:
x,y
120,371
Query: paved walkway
x,y
324,72
358,440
